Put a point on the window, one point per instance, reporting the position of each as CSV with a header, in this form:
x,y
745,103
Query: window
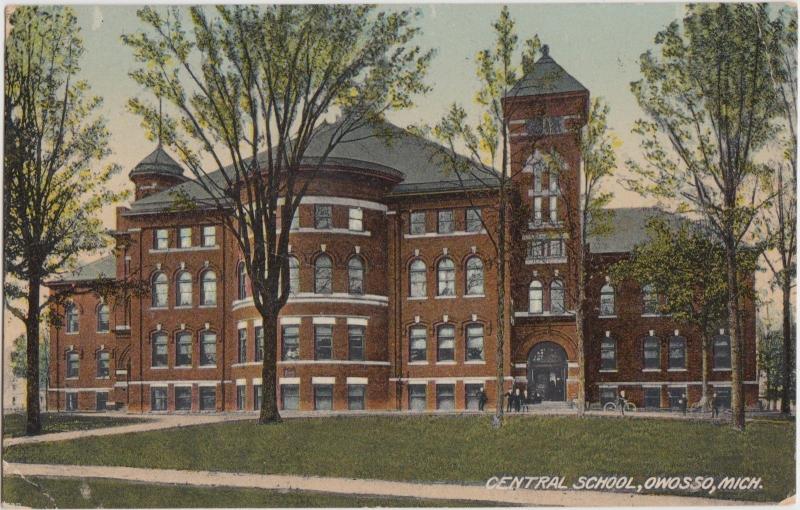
x,y
208,398
446,223
553,181
242,346
472,396
291,342
184,293
73,365
607,395
103,363
322,217
355,275
608,354
259,334
294,275
675,394
553,202
183,350
295,225
159,290
258,391
355,219
473,220
447,277
677,352
183,398
652,398
418,286
418,342
241,282
557,297
208,349
355,343
290,397
71,315
652,353
536,164
556,248
723,397
446,339
722,352
159,350
72,401
535,297
323,397
418,223
208,295
417,398
607,300
241,395
474,281
355,397
649,300
323,271
102,319
536,249
445,396
161,239
209,236
158,399
323,339
475,342
101,400
184,237
537,209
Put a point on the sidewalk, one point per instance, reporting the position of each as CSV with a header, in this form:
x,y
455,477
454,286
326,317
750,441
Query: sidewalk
x,y
351,486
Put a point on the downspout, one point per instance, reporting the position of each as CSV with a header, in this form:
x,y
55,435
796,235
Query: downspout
x,y
222,310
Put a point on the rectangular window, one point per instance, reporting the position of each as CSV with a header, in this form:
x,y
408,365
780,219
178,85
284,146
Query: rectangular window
x,y
418,341
608,354
323,397
446,223
208,349
291,343
258,391
475,343
355,219
355,343
557,248
323,217
101,400
185,237
473,220
183,353
553,209
103,363
158,399
675,394
73,365
723,399
652,353
536,249
290,397
161,239
159,350
242,345
537,209
209,236
417,397
355,397
418,223
323,341
553,181
259,334
607,395
447,343
722,352
677,352
446,396
472,395
183,398
652,398
208,398
241,392
71,401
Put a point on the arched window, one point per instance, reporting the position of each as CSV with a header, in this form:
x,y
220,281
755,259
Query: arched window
x,y
159,350
557,297
183,296
418,279
722,352
535,297
607,300
323,274
608,354
447,277
103,363
355,275
241,282
208,294
159,290
183,349
102,318
535,165
294,275
474,281
649,300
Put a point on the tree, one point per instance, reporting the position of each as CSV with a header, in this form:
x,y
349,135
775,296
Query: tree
x,y
19,363
709,104
686,267
249,88
54,185
770,361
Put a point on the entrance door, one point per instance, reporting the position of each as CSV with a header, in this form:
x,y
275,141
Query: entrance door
x,y
547,372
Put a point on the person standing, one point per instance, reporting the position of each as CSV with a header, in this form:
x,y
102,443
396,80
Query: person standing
x,y
509,398
714,409
525,400
517,400
621,402
684,403
482,399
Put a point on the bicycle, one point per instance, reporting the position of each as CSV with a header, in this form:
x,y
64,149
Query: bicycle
x,y
628,406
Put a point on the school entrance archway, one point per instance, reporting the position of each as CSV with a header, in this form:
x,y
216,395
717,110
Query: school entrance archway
x,y
547,371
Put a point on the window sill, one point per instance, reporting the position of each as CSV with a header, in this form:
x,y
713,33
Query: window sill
x,y
103,378
158,308
183,307
183,367
677,370
474,296
418,363
102,332
159,368
651,370
445,362
475,362
156,251
71,378
445,297
720,369
207,366
207,306
73,333
652,315
608,370
606,316
418,298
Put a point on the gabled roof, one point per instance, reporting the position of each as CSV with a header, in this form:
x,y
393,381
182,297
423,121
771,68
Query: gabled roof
x,y
547,77
629,229
104,268
158,162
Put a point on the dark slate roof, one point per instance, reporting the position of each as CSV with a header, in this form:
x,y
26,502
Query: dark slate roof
x,y
629,229
105,267
547,77
158,162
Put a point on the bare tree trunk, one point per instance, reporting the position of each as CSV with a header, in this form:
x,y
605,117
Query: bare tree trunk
x,y
737,394
580,329
269,376
501,306
704,367
33,423
788,341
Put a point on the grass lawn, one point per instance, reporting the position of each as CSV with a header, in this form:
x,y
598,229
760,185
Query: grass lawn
x,y
77,493
14,424
452,448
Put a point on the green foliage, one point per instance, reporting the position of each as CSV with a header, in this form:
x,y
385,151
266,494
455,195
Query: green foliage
x,y
14,424
598,147
19,358
770,362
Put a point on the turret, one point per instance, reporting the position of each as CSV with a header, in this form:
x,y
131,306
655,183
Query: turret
x,y
157,172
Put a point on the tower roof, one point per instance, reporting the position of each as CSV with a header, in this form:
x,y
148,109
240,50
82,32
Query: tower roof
x,y
158,162
546,78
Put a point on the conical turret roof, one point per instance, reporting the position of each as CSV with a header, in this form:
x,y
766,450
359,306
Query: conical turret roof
x,y
547,77
158,162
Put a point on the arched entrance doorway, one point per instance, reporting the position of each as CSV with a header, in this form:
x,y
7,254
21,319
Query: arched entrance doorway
x,y
547,371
